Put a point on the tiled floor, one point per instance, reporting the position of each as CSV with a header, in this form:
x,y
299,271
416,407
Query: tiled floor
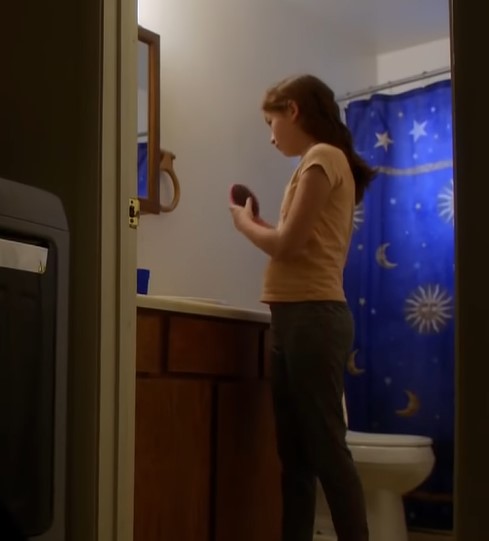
x,y
413,536
429,537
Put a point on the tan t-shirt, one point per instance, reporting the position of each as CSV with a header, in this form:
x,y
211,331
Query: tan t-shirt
x,y
317,272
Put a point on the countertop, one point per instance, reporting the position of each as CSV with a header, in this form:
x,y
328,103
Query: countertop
x,y
202,306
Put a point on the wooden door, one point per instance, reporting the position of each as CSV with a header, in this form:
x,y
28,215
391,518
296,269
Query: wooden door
x,y
248,505
173,460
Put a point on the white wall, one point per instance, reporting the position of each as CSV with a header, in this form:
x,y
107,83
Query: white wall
x,y
412,61
396,65
217,58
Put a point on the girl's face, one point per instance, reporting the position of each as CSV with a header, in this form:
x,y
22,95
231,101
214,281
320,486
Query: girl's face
x,y
286,133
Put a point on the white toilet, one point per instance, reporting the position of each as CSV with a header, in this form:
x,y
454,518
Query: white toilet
x,y
389,466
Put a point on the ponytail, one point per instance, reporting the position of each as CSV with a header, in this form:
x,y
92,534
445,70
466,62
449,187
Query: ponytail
x,y
363,174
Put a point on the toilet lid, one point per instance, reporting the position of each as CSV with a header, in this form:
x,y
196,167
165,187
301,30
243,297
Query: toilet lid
x,y
366,439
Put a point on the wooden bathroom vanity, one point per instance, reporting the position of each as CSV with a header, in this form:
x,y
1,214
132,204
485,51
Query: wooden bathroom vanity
x,y
206,467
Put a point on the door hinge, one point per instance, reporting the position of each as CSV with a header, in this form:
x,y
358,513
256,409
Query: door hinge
x,y
134,211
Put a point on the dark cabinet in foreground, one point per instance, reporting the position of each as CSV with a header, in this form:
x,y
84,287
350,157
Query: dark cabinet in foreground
x,y
206,463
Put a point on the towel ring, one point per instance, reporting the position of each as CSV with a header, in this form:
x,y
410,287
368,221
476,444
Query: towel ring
x,y
166,166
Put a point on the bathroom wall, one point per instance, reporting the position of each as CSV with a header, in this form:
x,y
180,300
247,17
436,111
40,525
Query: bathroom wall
x,y
413,60
217,58
399,64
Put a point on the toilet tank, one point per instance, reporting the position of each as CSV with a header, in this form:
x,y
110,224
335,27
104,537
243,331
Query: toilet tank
x,y
34,267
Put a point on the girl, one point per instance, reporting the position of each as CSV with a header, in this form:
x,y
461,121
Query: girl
x,y
312,327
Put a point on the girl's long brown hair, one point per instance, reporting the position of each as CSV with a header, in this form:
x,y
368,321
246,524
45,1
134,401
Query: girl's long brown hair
x,y
319,117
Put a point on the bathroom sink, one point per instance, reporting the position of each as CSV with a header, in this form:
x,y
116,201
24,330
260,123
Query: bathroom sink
x,y
201,300
205,306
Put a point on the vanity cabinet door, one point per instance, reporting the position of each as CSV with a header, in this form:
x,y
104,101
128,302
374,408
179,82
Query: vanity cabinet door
x,y
248,502
173,460
267,354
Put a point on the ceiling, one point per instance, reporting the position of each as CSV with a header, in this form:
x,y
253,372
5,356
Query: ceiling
x,y
385,25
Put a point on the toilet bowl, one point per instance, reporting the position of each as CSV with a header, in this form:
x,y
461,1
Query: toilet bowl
x,y
389,465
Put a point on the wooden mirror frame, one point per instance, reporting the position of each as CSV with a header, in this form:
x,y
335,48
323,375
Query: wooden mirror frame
x,y
151,204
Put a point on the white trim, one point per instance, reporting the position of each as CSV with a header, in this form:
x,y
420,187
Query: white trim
x,y
126,375
108,325
118,254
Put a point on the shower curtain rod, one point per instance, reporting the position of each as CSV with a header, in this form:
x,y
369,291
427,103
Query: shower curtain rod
x,y
391,84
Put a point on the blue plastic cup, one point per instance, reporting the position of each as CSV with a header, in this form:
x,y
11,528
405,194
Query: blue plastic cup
x,y
143,281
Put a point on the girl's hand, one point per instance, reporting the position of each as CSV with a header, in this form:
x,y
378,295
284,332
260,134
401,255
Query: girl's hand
x,y
242,215
260,221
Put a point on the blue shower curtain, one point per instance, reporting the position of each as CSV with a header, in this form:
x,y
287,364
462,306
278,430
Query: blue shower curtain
x,y
400,284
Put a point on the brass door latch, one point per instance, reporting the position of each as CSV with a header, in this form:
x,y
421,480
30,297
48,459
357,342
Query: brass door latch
x,y
134,212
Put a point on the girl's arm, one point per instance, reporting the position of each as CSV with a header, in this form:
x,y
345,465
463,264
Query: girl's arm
x,y
291,236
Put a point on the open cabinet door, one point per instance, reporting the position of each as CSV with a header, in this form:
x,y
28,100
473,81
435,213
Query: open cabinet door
x,y
118,279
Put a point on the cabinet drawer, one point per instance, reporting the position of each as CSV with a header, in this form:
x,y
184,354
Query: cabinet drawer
x,y
205,346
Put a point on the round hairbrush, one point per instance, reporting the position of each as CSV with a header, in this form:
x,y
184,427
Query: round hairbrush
x,y
240,193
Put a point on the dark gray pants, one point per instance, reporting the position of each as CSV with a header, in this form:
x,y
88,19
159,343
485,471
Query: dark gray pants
x,y
311,342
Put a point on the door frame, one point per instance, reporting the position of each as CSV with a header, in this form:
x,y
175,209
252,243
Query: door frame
x,y
118,273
